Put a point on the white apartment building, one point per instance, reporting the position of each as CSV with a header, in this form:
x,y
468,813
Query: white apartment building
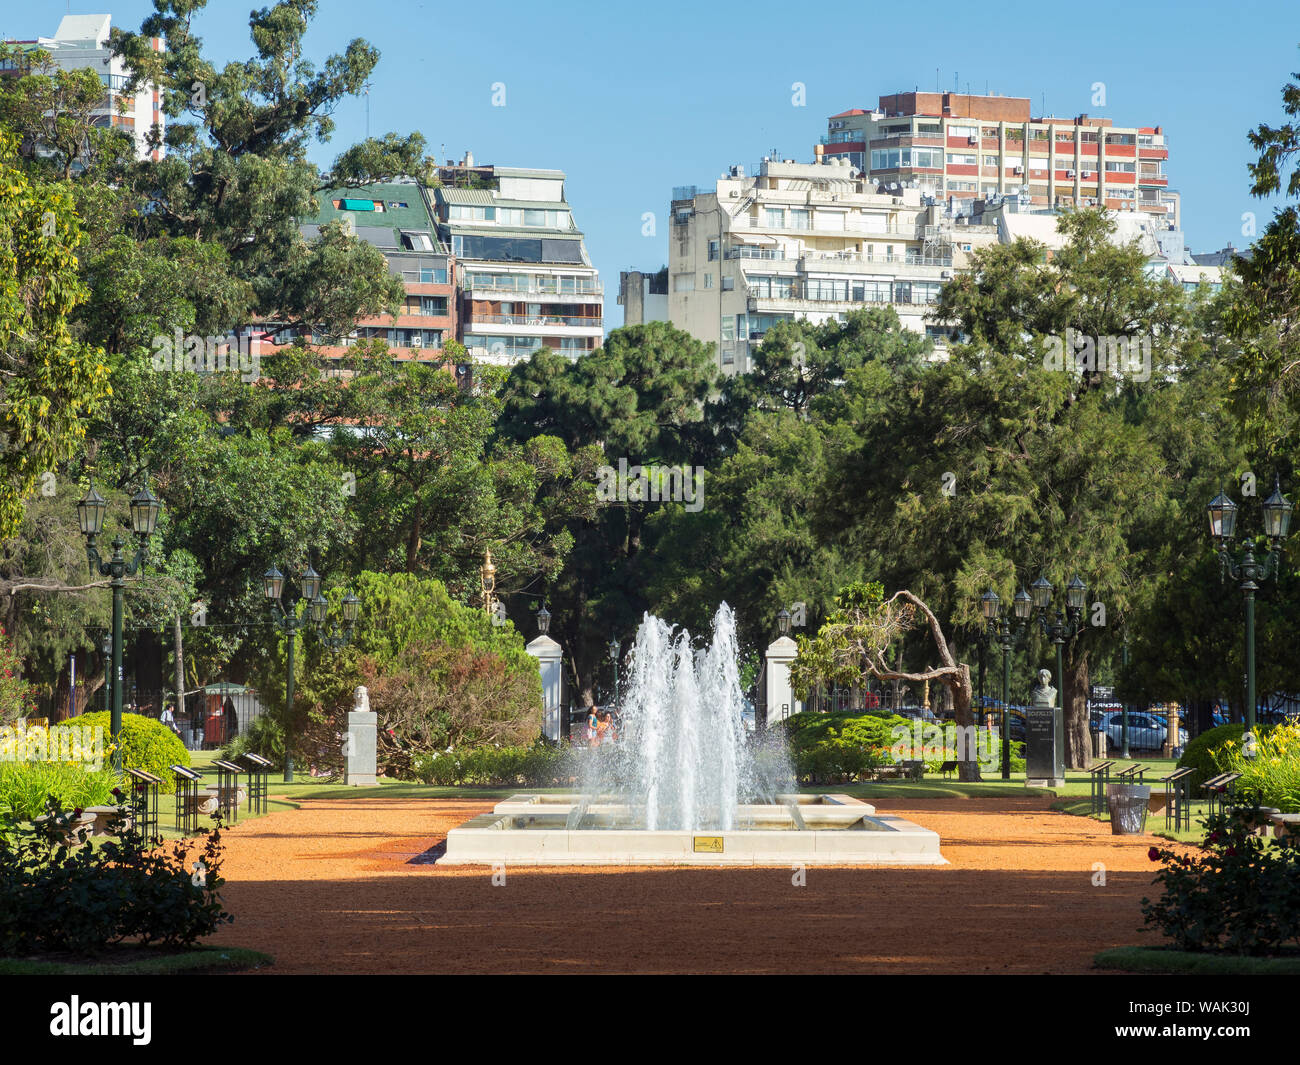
x,y
81,42
525,279
806,240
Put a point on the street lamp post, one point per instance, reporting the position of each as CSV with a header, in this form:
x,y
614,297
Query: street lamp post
x,y
1247,570
290,620
1066,624
1007,635
144,517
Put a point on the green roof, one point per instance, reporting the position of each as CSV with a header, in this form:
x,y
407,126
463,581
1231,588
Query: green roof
x,y
414,215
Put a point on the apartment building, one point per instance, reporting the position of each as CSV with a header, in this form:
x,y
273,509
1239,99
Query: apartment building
x,y
643,296
394,218
525,280
806,240
956,148
82,42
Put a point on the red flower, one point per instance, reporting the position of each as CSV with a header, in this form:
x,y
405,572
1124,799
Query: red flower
x,y
76,812
1153,854
1231,852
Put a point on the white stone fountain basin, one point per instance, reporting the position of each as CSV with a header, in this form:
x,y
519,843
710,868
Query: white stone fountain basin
x,y
534,829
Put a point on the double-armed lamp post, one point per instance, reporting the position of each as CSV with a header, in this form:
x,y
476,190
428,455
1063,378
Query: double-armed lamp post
x,y
144,517
1065,624
290,619
1008,634
1246,569
613,657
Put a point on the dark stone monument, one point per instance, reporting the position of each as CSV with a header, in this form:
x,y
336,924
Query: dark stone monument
x,y
1044,736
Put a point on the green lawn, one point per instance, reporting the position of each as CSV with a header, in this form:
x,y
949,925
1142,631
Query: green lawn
x,y
198,959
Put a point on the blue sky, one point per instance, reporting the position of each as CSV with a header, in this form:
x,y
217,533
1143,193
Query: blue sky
x,y
631,100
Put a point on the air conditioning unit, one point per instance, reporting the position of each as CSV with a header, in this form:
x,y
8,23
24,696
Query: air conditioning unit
x,y
1017,169
1087,173
1069,173
972,140
734,193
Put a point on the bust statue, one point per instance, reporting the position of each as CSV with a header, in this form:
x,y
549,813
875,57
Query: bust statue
x,y
361,700
1044,695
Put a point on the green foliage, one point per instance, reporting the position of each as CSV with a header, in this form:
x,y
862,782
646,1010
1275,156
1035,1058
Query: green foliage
x,y
15,693
1199,754
50,382
1271,777
265,737
834,747
538,766
59,892
25,787
146,744
1240,895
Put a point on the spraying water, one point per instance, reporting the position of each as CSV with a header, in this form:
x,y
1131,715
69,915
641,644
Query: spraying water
x,y
685,758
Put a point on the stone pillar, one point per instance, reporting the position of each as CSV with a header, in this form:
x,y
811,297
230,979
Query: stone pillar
x,y
550,655
359,761
780,701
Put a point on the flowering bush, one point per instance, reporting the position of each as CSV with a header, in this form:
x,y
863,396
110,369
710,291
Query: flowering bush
x,y
1272,776
1241,895
16,696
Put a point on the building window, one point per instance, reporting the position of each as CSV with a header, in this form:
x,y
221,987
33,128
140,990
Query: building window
x,y
433,275
683,282
728,284
800,219
990,160
961,159
708,280
775,218
713,250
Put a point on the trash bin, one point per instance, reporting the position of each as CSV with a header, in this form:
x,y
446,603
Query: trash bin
x,y
1128,808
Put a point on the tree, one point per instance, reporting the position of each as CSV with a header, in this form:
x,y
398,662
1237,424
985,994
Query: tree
x,y
50,382
640,399
856,641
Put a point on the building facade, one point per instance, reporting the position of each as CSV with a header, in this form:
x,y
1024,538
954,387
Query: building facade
x,y
643,296
82,42
957,148
806,240
394,218
525,280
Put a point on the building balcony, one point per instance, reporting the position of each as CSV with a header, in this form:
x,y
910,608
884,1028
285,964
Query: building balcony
x,y
554,292
822,227
854,261
536,324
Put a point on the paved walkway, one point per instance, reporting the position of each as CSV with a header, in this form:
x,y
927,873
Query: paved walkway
x,y
330,888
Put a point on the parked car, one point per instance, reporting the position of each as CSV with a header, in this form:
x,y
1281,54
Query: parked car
x,y
917,713
1146,732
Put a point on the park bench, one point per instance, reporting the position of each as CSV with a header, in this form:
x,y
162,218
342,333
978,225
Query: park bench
x,y
1285,825
1218,790
75,824
913,770
106,816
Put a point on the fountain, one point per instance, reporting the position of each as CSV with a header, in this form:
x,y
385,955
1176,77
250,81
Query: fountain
x,y
686,785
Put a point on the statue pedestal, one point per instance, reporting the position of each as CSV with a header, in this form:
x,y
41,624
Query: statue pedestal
x,y
359,754
1044,747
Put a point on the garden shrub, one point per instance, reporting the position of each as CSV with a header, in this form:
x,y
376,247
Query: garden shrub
x,y
1240,895
59,892
146,744
1199,753
16,696
26,786
538,766
1272,776
264,736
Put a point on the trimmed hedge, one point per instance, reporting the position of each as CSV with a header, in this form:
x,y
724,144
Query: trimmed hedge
x,y
1199,752
146,744
538,766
